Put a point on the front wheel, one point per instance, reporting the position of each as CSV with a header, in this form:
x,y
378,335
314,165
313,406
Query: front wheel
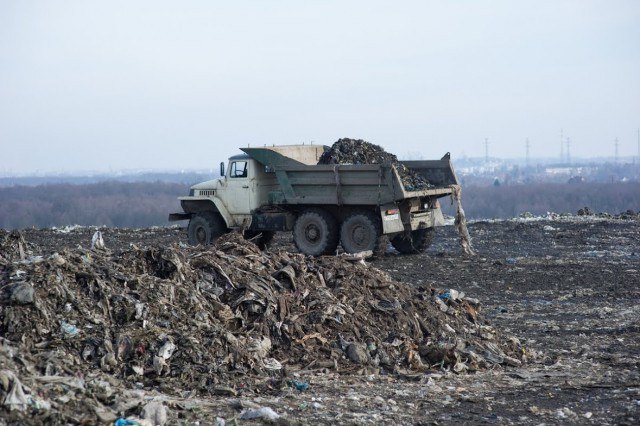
x,y
417,242
205,228
315,232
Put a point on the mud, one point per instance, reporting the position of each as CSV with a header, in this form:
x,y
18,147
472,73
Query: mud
x,y
567,287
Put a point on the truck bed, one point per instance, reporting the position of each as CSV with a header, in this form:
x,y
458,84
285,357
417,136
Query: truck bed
x,y
340,184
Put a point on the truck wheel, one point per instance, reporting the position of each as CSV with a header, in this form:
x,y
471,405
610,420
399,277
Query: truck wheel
x,y
205,228
315,232
418,242
360,232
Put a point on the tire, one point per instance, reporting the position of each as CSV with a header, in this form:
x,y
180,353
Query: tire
x,y
360,232
419,241
205,228
316,232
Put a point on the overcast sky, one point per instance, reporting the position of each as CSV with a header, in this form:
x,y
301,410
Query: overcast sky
x,y
115,85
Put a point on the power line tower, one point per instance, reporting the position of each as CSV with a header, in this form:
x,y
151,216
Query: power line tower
x,y
615,144
486,150
527,145
568,150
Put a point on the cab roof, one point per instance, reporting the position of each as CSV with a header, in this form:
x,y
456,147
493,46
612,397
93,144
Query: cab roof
x,y
240,157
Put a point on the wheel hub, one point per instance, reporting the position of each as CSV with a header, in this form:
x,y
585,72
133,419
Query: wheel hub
x,y
201,235
359,236
312,233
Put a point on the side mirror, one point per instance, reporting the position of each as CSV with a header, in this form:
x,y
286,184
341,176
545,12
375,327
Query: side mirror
x,y
221,168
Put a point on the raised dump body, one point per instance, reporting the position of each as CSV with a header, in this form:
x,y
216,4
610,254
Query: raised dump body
x,y
341,184
281,188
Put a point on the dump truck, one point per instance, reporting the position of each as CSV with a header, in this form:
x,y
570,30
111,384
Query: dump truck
x,y
282,188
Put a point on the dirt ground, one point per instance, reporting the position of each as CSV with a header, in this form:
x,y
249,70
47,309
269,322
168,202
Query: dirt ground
x,y
567,286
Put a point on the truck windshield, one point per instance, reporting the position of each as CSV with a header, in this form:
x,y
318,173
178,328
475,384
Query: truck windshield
x,y
238,169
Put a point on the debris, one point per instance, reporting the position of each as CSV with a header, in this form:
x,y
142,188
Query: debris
x,y
585,211
265,413
97,243
68,329
15,398
126,304
357,353
219,320
131,422
22,293
155,412
461,221
301,386
357,151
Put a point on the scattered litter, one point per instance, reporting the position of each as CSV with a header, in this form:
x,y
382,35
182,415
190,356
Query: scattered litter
x,y
154,412
69,329
97,242
301,386
265,413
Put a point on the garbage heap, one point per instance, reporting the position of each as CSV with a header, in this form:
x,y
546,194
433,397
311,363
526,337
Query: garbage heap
x,y
81,327
357,151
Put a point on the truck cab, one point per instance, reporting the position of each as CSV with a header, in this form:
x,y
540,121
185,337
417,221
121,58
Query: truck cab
x,y
215,206
243,187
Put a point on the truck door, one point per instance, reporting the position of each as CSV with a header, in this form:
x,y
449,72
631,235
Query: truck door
x,y
239,188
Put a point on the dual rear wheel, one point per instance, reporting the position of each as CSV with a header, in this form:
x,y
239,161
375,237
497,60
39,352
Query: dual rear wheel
x,y
415,242
316,232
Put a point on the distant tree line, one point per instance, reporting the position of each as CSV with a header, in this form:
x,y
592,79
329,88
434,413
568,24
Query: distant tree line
x,y
491,201
116,204
144,204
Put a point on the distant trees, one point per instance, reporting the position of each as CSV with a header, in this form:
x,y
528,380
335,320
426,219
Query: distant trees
x,y
118,204
505,201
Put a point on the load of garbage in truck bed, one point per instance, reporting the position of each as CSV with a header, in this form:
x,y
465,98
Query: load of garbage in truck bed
x,y
227,319
358,151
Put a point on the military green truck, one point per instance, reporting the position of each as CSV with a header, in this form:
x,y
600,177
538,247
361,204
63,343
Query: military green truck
x,y
282,188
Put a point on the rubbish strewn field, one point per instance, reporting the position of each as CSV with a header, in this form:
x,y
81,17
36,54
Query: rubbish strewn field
x,y
541,326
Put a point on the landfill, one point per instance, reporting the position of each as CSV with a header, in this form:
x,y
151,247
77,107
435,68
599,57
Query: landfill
x,y
358,151
85,330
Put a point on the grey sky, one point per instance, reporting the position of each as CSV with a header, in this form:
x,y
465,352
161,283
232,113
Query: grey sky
x,y
88,85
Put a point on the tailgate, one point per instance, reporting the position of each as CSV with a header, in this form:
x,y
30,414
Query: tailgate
x,y
439,173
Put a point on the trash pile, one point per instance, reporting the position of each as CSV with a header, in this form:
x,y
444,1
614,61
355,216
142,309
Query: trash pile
x,y
625,215
83,328
357,151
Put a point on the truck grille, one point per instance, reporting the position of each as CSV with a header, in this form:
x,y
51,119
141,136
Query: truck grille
x,y
207,192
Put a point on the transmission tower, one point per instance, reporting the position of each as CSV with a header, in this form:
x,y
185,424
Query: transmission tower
x,y
527,145
486,150
568,150
615,144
